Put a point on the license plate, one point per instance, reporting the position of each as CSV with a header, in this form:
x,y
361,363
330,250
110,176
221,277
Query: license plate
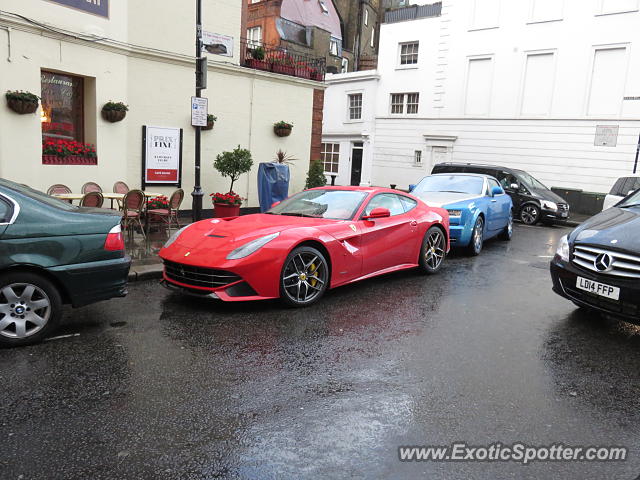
x,y
564,214
600,289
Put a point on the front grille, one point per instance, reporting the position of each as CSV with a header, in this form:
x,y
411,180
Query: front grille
x,y
622,307
198,276
622,264
563,207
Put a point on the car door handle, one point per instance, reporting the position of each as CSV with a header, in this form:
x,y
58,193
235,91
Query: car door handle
x,y
413,223
493,201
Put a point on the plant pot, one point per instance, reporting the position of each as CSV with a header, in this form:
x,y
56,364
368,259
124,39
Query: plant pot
x,y
222,210
22,107
113,116
258,64
282,131
209,125
68,160
283,69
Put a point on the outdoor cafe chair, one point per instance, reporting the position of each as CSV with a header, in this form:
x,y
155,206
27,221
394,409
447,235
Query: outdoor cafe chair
x,y
91,187
132,208
58,188
170,214
120,187
92,199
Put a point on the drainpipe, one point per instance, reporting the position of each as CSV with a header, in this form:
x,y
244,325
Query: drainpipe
x,y
8,30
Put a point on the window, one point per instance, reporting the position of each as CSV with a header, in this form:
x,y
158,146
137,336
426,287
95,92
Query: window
x,y
485,14
409,53
254,36
385,200
323,7
417,157
334,46
355,106
479,80
400,100
345,65
62,114
5,211
608,76
492,183
407,203
373,38
537,89
366,17
330,155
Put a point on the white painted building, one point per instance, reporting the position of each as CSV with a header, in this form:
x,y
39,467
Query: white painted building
x,y
541,85
141,53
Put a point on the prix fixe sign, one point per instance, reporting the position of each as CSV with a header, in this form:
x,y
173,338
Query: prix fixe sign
x,y
97,7
161,156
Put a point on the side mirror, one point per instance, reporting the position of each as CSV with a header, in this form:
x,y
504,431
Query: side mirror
x,y
274,204
496,191
379,212
411,187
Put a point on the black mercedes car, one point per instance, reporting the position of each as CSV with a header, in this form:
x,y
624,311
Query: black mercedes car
x,y
597,266
533,202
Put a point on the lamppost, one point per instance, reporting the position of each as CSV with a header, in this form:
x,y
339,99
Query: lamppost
x,y
201,71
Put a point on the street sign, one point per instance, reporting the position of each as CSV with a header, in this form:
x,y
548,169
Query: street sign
x,y
199,110
201,73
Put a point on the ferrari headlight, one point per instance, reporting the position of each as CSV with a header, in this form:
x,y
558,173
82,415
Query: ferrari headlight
x,y
547,205
563,249
455,213
174,237
250,247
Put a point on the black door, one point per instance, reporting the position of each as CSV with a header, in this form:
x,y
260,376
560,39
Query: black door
x,y
356,163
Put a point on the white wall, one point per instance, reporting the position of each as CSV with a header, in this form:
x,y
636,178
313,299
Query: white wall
x,y
157,86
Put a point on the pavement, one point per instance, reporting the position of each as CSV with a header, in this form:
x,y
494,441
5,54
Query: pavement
x,y
146,265
163,386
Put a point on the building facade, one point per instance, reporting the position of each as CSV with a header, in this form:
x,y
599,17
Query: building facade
x,y
77,60
548,86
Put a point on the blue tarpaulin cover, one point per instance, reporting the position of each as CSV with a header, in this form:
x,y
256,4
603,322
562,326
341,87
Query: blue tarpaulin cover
x,y
273,184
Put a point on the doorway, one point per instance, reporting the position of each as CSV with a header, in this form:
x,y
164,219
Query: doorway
x,y
356,163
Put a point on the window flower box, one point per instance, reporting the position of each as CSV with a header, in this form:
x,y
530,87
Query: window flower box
x,y
68,160
258,64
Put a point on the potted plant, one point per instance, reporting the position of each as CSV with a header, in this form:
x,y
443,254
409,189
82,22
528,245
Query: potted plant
x,y
282,128
68,152
316,177
211,119
273,180
226,204
114,111
283,64
22,102
157,203
257,60
231,164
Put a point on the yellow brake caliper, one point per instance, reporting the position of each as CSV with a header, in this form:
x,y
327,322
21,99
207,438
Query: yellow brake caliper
x,y
312,271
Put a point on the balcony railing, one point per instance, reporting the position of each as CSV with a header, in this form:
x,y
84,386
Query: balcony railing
x,y
280,60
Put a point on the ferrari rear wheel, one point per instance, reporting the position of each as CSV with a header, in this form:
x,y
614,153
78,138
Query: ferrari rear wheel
x,y
304,277
433,251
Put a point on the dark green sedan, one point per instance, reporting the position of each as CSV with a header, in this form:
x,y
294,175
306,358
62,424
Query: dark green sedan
x,y
53,253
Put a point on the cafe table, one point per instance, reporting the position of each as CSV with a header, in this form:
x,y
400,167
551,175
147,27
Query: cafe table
x,y
107,195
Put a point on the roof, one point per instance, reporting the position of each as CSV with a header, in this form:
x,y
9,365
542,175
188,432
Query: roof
x,y
313,13
413,12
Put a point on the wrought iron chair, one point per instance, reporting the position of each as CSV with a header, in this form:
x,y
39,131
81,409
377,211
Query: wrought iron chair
x,y
132,209
92,199
120,187
58,188
170,214
91,187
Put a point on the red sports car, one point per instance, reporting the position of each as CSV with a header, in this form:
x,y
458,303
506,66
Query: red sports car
x,y
317,239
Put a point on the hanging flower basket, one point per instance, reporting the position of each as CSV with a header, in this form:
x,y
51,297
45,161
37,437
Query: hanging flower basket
x,y
114,111
211,120
22,102
282,128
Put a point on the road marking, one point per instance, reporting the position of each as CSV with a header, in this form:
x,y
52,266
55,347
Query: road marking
x,y
546,256
60,337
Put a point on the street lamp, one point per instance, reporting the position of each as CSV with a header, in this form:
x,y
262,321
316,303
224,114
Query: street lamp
x,y
201,72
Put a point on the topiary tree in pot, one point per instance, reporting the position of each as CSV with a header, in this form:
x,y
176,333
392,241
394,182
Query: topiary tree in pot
x,y
233,164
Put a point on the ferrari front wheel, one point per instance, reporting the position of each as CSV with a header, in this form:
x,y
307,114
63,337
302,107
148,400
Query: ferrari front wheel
x,y
433,251
304,277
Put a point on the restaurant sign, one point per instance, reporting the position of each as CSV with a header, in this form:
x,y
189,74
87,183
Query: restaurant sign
x,y
97,7
161,156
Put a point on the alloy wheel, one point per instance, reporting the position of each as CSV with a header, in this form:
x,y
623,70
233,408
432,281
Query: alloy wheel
x,y
304,277
24,310
435,249
529,214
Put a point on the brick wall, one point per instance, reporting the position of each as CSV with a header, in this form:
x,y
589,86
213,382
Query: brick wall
x,y
316,125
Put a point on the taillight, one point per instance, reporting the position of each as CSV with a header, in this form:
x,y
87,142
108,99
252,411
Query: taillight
x,y
115,240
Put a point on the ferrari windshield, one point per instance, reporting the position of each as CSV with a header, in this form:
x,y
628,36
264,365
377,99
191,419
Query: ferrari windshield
x,y
450,183
334,204
631,201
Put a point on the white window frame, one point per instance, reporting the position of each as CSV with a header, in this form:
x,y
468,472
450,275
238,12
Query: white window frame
x,y
404,105
334,42
333,161
533,20
344,65
400,54
323,7
594,49
373,38
366,17
417,158
523,77
251,41
600,12
350,94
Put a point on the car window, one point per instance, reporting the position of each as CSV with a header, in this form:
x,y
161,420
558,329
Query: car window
x,y
5,211
450,183
329,203
385,200
629,185
636,184
617,187
492,183
448,169
506,179
407,203
530,181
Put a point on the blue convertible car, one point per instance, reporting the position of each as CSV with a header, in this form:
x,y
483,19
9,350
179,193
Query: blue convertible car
x,y
478,207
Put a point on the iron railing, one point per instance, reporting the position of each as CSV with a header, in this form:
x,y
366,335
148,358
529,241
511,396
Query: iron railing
x,y
280,60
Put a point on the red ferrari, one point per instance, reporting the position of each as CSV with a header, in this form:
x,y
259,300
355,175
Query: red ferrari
x,y
317,239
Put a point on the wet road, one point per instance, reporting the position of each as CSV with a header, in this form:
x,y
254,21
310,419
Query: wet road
x,y
161,386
